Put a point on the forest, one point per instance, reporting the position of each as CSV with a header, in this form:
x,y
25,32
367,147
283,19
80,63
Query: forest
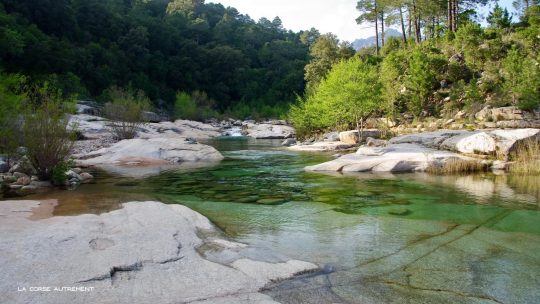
x,y
448,60
162,48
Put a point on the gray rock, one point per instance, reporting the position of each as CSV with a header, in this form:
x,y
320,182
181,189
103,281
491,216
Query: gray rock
x,y
86,177
23,180
29,188
332,136
353,137
15,186
288,142
19,175
392,158
151,117
146,252
152,151
471,143
372,142
324,146
4,167
268,131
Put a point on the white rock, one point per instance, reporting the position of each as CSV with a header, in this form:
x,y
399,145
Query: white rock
x,y
393,158
269,131
509,140
353,137
324,146
472,143
152,151
429,139
145,252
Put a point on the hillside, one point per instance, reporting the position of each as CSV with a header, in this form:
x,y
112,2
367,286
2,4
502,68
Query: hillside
x,y
84,47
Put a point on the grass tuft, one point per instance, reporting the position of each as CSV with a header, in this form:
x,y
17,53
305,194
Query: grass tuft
x,y
526,158
456,166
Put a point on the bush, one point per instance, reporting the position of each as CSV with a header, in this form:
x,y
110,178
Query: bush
x,y
59,176
10,106
126,112
197,106
47,135
521,80
350,93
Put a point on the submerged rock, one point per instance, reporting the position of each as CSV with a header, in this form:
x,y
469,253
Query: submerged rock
x,y
145,252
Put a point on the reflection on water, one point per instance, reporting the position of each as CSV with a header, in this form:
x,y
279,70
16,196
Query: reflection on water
x,y
403,236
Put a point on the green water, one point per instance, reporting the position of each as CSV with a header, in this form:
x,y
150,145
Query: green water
x,y
411,238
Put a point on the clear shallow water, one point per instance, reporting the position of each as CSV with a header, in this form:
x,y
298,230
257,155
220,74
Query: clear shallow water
x,y
410,238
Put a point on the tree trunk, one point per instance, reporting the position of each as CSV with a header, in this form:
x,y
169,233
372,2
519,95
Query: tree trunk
x,y
382,28
455,13
450,17
416,24
402,25
376,30
409,16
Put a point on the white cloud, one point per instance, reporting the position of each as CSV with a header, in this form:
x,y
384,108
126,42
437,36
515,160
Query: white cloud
x,y
336,16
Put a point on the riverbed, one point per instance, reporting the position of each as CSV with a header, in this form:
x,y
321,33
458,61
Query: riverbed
x,y
408,238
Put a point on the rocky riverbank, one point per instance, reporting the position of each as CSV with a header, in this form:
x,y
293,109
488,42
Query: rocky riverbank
x,y
146,252
420,151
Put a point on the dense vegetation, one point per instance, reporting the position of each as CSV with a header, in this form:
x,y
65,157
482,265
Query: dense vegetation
x,y
161,47
457,66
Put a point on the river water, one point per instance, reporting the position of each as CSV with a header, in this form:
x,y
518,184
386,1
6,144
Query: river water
x,y
408,238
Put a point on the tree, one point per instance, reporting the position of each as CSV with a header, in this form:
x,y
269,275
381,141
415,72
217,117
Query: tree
x,y
348,95
499,18
325,52
369,12
521,80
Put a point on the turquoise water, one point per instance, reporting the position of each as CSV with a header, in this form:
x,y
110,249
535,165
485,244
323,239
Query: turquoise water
x,y
410,238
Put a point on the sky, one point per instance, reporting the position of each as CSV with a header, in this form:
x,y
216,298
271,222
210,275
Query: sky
x,y
336,16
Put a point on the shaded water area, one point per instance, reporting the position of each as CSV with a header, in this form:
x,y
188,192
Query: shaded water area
x,y
409,238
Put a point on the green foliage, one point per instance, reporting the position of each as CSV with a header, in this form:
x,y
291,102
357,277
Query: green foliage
x,y
324,52
126,111
59,176
197,106
351,92
499,18
84,47
521,80
46,131
420,80
10,106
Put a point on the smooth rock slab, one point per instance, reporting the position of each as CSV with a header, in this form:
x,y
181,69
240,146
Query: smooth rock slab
x,y
142,253
152,151
268,131
393,158
322,147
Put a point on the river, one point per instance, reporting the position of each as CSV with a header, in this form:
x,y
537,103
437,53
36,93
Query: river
x,y
408,238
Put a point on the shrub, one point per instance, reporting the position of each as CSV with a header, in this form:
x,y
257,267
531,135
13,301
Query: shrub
x,y
521,80
59,176
47,135
126,112
197,106
10,106
350,93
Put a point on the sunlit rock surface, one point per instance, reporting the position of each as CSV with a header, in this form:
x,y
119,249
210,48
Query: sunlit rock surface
x,y
415,152
392,158
152,151
146,252
268,131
